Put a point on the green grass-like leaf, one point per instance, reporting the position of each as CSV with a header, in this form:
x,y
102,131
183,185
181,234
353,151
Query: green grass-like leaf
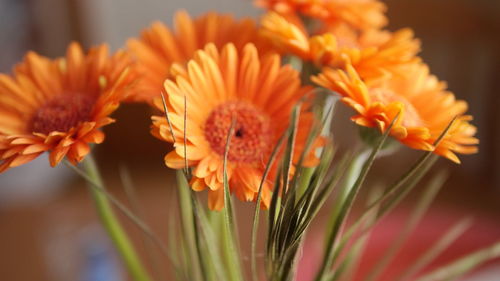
x,y
463,265
394,194
211,256
233,250
435,250
190,230
348,265
131,193
415,217
255,226
347,205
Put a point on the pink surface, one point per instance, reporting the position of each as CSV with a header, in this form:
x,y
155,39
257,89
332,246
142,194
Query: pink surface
x,y
482,233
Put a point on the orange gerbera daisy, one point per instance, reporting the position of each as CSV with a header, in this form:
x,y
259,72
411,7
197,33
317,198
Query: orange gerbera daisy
x,y
59,105
219,86
424,106
359,14
159,48
373,53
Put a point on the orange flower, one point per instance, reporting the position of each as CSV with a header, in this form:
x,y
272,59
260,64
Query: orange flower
x,y
424,106
359,14
59,105
288,35
159,48
375,54
219,86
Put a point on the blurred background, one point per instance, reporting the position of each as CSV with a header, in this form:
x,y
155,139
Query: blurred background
x,y
48,227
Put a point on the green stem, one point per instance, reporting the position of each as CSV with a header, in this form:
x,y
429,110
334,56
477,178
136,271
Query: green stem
x,y
304,182
189,229
354,179
353,173
113,226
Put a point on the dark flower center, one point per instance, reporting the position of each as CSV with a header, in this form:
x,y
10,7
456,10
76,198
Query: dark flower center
x,y
62,113
252,131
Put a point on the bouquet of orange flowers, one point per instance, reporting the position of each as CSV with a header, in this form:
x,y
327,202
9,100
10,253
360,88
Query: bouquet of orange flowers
x,y
247,106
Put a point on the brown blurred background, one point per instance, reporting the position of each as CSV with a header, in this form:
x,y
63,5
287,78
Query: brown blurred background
x,y
48,227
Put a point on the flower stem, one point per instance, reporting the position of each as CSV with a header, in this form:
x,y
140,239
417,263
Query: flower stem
x,y
112,225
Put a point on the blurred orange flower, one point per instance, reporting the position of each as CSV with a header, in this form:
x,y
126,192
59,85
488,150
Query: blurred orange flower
x,y
424,106
216,87
159,48
59,105
373,53
359,14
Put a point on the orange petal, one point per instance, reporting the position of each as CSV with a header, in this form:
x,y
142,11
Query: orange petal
x,y
35,148
23,141
95,136
174,161
198,184
57,155
12,151
216,199
78,151
5,165
201,169
23,159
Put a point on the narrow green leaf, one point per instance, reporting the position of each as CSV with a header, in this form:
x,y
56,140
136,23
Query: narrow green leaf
x,y
165,108
415,217
288,194
329,253
353,172
358,224
396,192
313,205
435,250
121,207
274,213
255,226
416,170
132,198
189,228
288,156
113,226
174,251
318,129
316,189
214,262
233,250
348,267
464,265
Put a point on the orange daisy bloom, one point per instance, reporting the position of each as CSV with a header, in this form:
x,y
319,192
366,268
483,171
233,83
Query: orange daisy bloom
x,y
359,14
159,48
59,105
424,106
217,87
373,53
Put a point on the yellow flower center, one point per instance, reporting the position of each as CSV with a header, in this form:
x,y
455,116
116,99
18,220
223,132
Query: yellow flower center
x,y
62,113
252,131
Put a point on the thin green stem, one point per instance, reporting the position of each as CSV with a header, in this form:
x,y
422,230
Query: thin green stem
x,y
189,228
353,173
112,225
147,242
232,251
335,232
253,255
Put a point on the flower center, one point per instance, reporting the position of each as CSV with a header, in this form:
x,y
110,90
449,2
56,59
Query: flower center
x,y
252,131
62,113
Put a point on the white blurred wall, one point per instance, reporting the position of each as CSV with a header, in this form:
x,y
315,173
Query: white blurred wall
x,y
114,21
